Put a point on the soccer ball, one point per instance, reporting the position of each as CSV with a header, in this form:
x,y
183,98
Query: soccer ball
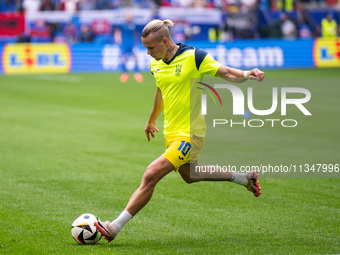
x,y
84,231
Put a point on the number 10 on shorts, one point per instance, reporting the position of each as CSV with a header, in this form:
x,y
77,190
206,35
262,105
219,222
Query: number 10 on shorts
x,y
184,148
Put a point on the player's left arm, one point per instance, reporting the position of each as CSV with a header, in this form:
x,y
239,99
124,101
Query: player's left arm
x,y
158,106
117,35
237,75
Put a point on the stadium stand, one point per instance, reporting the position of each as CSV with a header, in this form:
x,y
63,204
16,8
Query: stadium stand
x,y
239,19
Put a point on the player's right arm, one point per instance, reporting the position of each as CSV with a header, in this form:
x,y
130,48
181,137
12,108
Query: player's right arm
x,y
206,64
237,75
158,106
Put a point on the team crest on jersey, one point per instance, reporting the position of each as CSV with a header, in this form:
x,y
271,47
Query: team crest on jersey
x,y
178,70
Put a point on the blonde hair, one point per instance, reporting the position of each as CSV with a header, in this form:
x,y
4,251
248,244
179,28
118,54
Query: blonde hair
x,y
158,26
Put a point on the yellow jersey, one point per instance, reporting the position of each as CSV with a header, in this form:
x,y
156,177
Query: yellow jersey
x,y
173,80
328,28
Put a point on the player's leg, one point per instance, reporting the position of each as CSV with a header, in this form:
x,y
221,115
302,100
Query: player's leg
x,y
196,144
153,174
184,171
137,75
124,76
248,180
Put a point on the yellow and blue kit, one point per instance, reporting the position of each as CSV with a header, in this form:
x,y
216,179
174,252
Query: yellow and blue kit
x,y
173,80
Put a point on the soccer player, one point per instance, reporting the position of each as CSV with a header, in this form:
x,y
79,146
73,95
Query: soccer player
x,y
173,97
125,36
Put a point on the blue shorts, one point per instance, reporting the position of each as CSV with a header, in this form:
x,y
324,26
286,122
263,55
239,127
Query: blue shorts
x,y
126,48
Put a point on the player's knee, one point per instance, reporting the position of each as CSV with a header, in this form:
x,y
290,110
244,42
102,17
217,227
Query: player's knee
x,y
188,180
150,177
186,176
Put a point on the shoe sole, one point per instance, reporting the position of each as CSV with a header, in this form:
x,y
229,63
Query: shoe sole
x,y
255,187
103,231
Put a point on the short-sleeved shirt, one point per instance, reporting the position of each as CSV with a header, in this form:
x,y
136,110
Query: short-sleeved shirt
x,y
128,36
173,80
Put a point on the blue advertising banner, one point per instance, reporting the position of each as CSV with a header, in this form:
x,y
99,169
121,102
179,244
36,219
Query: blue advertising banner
x,y
262,53
238,54
245,54
29,58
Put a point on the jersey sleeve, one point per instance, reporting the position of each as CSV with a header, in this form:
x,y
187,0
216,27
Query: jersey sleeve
x,y
205,63
150,65
153,70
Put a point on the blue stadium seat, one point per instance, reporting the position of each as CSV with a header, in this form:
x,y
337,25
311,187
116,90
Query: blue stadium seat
x,y
266,17
204,34
263,17
318,15
8,6
337,17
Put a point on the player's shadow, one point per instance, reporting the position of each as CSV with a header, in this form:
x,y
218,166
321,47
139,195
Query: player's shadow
x,y
102,245
149,245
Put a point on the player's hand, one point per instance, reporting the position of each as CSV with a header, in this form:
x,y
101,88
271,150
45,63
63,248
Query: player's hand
x,y
256,74
150,129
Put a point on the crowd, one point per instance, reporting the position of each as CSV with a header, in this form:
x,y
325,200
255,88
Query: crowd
x,y
241,19
226,5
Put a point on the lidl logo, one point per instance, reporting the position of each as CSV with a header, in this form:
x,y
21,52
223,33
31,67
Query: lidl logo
x,y
36,58
327,52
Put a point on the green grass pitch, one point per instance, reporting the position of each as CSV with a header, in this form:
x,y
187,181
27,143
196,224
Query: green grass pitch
x,y
72,144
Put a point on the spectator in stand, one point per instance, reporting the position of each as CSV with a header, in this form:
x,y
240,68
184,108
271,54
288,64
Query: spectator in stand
x,y
19,6
40,32
115,4
47,5
7,6
166,3
23,38
199,4
288,27
182,3
220,4
181,30
147,4
86,5
158,3
332,3
70,33
248,5
86,34
31,6
102,5
126,37
220,33
304,31
70,6
281,28
328,27
284,5
127,3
